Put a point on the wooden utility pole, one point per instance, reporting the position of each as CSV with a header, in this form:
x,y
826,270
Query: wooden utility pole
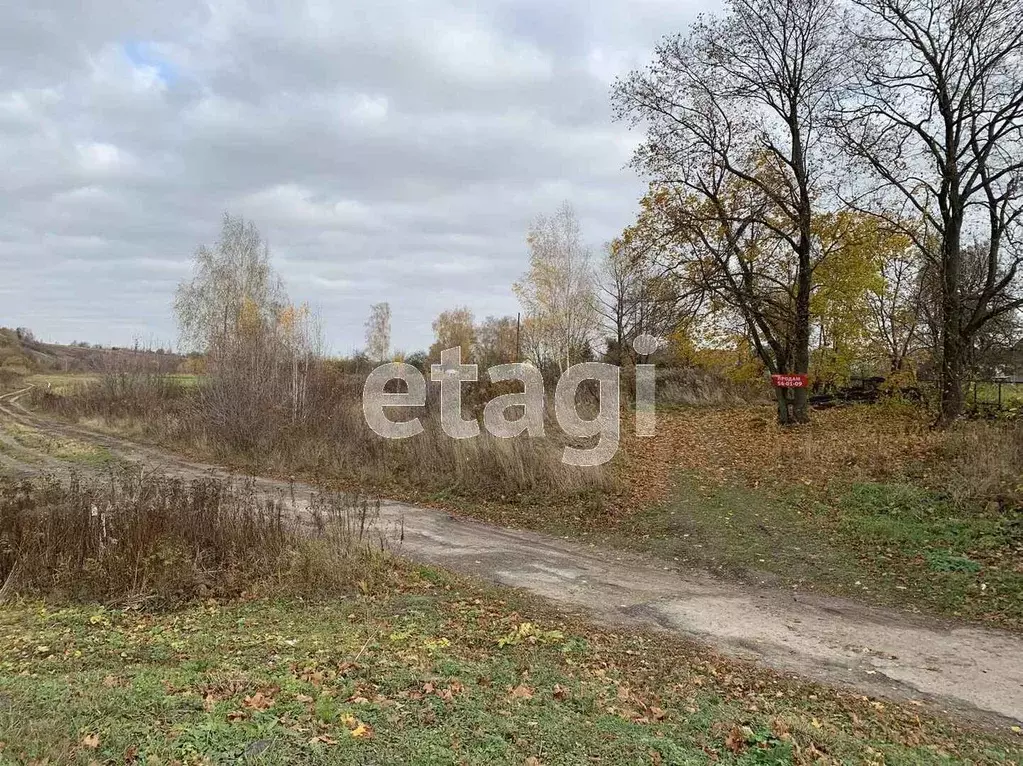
x,y
518,337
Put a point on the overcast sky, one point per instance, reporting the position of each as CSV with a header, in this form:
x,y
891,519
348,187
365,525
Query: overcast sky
x,y
387,150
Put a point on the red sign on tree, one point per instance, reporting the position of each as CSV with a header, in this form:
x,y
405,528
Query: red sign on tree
x,y
790,381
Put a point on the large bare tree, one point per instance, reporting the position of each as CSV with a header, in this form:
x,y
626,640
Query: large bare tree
x,y
743,100
934,112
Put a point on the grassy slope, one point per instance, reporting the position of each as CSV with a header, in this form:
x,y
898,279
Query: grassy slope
x,y
887,543
437,672
867,502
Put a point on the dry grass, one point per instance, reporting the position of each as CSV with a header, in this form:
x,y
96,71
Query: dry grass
x,y
333,440
140,538
985,461
697,387
976,462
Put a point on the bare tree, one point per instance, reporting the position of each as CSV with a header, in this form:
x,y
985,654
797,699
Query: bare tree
x,y
557,292
616,295
743,99
935,113
636,296
378,332
896,307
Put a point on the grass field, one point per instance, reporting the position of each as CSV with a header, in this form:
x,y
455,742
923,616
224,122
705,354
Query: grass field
x,y
439,672
868,501
886,543
62,383
988,393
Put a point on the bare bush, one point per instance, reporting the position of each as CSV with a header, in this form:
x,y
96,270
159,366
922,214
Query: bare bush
x,y
158,540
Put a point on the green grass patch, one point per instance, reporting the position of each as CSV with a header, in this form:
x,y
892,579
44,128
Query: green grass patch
x,y
62,383
888,543
436,675
61,448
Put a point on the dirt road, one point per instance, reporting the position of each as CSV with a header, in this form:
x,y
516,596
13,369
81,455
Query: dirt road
x,y
966,669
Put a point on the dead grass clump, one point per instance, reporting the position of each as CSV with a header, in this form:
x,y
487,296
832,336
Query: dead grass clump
x,y
698,387
146,539
985,460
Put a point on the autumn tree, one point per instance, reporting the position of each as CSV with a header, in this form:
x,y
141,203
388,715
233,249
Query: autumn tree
x,y
934,113
861,295
258,346
453,328
557,291
636,296
716,246
378,332
497,341
233,288
739,106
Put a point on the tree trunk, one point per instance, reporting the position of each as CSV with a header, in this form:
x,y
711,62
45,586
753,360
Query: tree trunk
x,y
801,334
784,412
951,376
953,349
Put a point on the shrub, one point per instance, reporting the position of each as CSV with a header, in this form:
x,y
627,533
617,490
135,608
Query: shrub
x,y
139,538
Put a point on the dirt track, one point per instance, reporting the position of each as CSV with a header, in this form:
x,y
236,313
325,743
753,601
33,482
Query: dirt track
x,y
970,670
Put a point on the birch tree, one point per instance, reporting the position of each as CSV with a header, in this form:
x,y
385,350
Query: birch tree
x,y
258,347
378,332
557,291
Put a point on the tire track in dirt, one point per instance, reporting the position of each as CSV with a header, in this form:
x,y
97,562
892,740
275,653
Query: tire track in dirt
x,y
969,670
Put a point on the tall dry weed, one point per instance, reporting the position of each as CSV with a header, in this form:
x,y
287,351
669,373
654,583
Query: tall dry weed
x,y
140,538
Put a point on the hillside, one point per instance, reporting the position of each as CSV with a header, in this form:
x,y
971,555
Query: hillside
x,y
21,354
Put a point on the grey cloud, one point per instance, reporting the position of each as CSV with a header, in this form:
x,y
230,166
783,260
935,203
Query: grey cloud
x,y
387,151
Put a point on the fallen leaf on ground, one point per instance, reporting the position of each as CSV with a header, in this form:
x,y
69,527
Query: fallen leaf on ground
x,y
362,731
522,692
259,701
735,741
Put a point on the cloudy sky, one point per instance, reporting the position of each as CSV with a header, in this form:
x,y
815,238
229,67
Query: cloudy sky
x,y
387,150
